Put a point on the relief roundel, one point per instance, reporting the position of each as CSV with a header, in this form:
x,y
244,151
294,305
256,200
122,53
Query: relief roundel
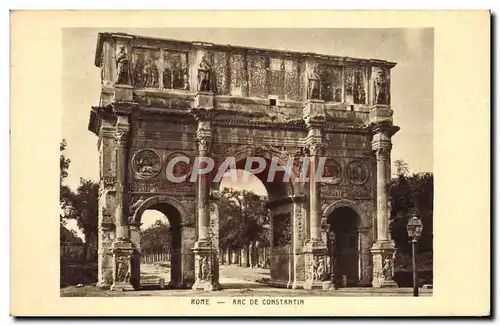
x,y
181,168
333,170
357,172
146,163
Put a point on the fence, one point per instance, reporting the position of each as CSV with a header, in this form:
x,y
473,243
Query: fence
x,y
148,258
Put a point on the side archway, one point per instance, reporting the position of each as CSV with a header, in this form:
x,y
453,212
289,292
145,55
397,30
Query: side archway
x,y
344,241
176,214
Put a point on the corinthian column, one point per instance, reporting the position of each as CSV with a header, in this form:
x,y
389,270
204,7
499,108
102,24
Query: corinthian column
x,y
383,250
315,249
203,181
314,192
206,276
122,247
121,216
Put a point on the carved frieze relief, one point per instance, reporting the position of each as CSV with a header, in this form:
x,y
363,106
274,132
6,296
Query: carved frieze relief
x,y
163,186
282,230
180,169
146,163
146,71
123,269
346,191
357,172
333,170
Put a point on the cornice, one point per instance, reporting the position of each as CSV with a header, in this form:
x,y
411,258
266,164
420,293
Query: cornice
x,y
165,43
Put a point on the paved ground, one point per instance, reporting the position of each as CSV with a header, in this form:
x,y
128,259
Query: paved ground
x,y
235,281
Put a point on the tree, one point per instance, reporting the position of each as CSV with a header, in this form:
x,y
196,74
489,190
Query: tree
x,y
244,215
412,195
156,239
65,192
401,167
83,207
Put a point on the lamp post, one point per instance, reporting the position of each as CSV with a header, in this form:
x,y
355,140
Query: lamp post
x,y
414,229
210,236
331,240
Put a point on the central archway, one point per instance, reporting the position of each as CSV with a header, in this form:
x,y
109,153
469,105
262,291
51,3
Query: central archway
x,y
280,215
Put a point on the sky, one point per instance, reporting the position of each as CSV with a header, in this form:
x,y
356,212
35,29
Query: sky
x,y
412,82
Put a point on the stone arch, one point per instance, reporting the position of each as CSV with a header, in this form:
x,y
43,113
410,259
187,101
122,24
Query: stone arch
x,y
177,215
266,152
341,203
344,219
281,211
155,200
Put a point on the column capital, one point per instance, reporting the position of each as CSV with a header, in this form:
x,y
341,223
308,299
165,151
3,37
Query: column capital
x,y
121,137
204,142
382,149
385,127
202,114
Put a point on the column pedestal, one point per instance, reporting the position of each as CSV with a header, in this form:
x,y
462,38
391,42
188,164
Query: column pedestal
x,y
122,265
315,256
205,268
383,254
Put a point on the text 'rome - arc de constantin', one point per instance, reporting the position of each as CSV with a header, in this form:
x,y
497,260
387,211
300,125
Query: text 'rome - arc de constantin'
x,y
164,98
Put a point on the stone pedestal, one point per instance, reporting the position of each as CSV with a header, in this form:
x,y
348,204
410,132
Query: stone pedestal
x,y
204,100
122,265
315,256
205,268
383,253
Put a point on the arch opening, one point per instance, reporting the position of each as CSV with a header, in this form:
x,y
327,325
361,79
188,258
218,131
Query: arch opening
x,y
344,245
159,244
266,253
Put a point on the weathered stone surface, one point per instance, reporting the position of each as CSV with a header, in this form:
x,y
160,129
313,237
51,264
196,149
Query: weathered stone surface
x,y
162,98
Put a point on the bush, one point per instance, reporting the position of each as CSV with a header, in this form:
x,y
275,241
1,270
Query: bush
x,y
405,278
73,274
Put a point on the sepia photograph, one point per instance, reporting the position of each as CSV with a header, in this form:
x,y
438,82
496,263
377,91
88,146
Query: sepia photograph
x,y
355,105
268,164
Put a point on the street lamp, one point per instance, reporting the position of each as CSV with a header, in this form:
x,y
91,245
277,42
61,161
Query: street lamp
x,y
210,239
331,240
414,229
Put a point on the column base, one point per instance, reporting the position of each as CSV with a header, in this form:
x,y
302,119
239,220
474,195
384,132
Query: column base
x,y
297,285
206,276
122,265
383,254
315,256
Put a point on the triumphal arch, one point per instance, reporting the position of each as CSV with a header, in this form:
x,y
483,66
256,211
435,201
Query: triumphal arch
x,y
164,98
